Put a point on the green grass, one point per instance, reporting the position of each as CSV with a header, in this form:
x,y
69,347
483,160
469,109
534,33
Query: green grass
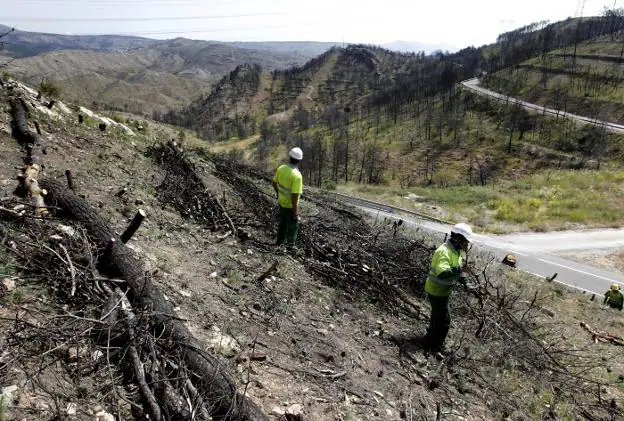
x,y
555,199
3,409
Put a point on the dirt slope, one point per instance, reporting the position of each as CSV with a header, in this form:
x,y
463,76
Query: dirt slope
x,y
336,339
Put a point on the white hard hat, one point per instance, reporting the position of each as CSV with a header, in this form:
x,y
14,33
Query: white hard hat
x,y
462,229
296,153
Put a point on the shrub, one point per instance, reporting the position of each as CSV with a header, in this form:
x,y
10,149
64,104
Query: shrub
x,y
49,89
329,184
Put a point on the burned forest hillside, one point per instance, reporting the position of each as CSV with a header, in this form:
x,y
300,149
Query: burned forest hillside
x,y
368,115
140,279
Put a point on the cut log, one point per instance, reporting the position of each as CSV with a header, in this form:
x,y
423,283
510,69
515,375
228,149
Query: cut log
x,y
209,374
134,226
108,250
23,134
29,187
510,260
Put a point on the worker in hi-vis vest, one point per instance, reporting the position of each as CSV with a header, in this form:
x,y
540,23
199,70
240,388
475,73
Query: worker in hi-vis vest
x,y
288,184
614,297
444,273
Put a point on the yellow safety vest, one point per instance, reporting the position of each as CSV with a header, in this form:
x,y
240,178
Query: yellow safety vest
x,y
615,297
446,257
289,181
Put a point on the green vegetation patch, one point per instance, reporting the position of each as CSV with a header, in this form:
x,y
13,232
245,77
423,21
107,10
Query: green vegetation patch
x,y
555,199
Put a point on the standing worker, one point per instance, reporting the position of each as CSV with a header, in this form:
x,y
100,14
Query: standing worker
x,y
443,275
614,297
288,184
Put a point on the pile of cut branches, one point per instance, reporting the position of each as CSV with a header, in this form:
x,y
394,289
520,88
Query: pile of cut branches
x,y
338,245
184,189
91,329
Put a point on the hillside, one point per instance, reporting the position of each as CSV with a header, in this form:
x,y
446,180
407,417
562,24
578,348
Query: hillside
x,y
331,332
367,115
589,82
19,44
157,78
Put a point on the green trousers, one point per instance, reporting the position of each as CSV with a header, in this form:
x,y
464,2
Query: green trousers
x,y
439,323
288,227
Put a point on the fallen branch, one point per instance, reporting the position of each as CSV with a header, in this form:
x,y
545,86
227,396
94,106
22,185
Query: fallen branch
x,y
602,336
225,214
72,271
139,371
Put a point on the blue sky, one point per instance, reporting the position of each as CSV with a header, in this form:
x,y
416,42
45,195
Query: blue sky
x,y
450,23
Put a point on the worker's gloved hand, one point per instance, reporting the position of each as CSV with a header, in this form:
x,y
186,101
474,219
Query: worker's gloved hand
x,y
463,280
296,217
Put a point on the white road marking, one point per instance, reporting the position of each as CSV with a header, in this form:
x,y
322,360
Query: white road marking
x,y
580,271
517,252
562,283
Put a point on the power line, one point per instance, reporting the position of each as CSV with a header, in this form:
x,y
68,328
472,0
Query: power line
x,y
111,2
126,19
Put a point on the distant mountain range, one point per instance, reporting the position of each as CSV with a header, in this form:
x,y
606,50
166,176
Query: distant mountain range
x,y
144,75
416,47
21,44
136,74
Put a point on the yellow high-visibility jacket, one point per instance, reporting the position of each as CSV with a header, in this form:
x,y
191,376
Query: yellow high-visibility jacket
x,y
444,271
615,299
289,180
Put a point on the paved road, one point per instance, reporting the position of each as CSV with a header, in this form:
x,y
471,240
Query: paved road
x,y
533,250
473,85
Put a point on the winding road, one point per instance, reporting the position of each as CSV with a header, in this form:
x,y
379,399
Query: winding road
x,y
535,251
473,85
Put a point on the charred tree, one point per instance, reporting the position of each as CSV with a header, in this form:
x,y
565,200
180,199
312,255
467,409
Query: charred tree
x,y
209,373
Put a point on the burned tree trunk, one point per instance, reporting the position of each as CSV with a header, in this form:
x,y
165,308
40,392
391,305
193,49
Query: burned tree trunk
x,y
33,144
209,374
26,137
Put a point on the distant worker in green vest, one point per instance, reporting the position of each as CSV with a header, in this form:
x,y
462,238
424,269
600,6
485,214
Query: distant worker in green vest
x,y
444,273
614,297
288,184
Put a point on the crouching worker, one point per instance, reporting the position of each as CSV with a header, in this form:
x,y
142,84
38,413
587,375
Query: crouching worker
x,y
614,297
445,272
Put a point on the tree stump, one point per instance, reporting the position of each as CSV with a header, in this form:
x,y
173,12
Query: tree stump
x,y
134,225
